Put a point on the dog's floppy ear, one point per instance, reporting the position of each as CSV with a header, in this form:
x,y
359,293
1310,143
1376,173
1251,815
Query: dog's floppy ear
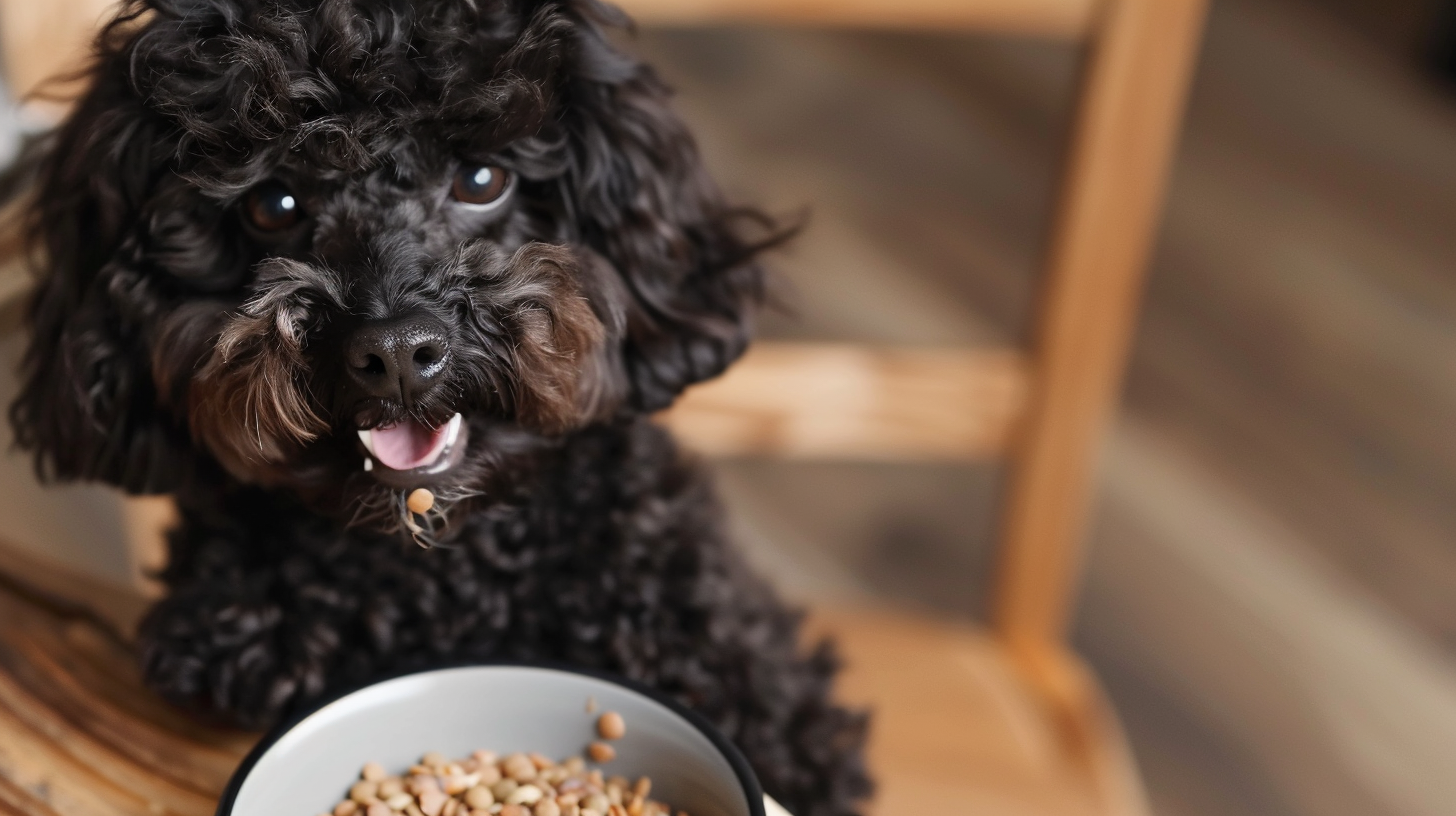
x,y
644,201
87,408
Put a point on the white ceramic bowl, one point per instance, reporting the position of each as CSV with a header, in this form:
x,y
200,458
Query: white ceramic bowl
x,y
305,766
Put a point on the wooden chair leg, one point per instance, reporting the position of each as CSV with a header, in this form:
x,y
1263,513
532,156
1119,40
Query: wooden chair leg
x,y
1133,92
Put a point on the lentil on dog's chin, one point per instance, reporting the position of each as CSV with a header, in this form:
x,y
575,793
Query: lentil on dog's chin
x,y
342,273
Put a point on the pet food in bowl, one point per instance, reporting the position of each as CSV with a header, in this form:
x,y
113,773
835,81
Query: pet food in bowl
x,y
485,784
306,766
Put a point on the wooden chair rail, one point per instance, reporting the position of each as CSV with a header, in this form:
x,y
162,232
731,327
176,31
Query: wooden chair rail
x,y
846,401
1133,90
1062,19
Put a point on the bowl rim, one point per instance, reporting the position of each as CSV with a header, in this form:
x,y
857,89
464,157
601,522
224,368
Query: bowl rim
x,y
747,779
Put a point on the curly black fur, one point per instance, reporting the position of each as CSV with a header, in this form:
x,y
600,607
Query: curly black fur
x,y
179,346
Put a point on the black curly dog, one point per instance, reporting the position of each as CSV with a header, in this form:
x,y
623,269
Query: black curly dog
x,y
304,257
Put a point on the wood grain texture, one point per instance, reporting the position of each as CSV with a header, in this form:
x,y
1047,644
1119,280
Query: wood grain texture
x,y
959,728
1055,18
1132,100
79,735
843,401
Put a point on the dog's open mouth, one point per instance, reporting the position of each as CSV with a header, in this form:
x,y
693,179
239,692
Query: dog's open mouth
x,y
408,452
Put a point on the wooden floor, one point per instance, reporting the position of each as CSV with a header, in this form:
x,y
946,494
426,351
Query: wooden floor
x,y
1272,585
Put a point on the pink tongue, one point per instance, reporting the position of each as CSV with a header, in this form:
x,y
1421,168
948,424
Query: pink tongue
x,y
407,445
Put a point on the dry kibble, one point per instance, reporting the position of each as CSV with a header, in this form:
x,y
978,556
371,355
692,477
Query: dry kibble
x,y
433,801
390,788
489,774
504,788
365,793
479,797
519,785
419,784
420,501
611,726
524,795
460,783
519,767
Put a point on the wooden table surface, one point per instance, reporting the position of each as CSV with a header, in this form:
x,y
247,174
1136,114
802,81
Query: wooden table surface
x,y
79,734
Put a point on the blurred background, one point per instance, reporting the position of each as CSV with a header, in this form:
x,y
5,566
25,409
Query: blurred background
x,y
1270,589
1270,594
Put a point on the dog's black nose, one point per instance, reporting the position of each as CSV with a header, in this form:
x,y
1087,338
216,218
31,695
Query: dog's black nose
x,y
398,359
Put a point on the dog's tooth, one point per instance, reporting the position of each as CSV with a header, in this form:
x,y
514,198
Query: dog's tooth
x,y
367,437
453,431
368,464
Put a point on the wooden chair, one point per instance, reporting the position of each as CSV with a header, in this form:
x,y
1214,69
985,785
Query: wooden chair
x,y
1005,721
1008,721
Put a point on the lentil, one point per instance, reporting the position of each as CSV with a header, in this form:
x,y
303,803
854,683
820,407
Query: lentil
x,y
479,797
519,784
419,502
365,793
611,726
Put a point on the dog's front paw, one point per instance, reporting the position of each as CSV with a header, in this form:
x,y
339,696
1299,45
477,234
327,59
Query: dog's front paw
x,y
232,657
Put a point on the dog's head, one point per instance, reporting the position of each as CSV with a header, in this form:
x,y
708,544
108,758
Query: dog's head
x,y
355,247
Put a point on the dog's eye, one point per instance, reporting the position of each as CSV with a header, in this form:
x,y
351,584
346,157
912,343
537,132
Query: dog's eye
x,y
479,184
271,207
